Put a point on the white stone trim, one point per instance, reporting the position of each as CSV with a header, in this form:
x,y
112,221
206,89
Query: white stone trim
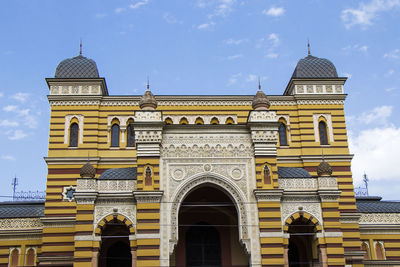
x,y
328,119
67,124
64,193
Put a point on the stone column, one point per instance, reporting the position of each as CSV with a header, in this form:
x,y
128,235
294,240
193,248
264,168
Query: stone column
x,y
133,252
95,255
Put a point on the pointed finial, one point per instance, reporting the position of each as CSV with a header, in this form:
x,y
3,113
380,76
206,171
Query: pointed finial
x,y
148,85
259,84
323,156
308,47
80,47
88,156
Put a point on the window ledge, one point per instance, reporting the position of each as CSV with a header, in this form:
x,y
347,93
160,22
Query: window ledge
x,y
72,147
115,147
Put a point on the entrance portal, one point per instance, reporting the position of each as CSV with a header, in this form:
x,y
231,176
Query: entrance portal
x,y
115,247
303,250
208,231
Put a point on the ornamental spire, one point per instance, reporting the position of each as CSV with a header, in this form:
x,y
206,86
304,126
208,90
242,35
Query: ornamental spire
x,y
308,47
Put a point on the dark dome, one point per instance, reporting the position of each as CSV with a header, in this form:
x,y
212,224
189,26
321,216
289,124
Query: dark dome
x,y
314,67
77,67
324,169
87,171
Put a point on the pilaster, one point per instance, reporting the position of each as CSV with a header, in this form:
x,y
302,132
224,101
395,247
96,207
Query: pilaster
x,y
148,228
271,235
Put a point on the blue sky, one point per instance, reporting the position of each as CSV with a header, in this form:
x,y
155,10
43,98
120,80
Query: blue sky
x,y
201,47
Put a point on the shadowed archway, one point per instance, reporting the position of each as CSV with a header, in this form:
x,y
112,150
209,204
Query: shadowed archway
x,y
208,230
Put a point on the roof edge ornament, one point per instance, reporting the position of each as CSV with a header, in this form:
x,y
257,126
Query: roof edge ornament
x,y
260,100
148,101
87,170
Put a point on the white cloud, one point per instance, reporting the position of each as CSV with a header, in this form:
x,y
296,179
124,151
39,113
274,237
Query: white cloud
x,y
171,19
17,135
355,47
378,115
251,78
234,78
393,54
31,121
390,89
119,10
346,74
205,26
235,56
367,12
139,4
274,11
236,42
7,123
271,55
1,94
10,108
101,15
389,73
273,37
8,157
21,97
375,152
223,8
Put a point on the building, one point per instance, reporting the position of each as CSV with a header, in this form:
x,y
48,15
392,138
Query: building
x,y
195,180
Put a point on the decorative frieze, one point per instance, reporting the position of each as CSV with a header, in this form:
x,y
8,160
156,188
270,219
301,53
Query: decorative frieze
x,y
380,218
222,118
19,224
319,89
97,185
75,89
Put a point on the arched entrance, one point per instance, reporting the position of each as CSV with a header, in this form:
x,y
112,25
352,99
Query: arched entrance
x,y
208,230
115,247
303,244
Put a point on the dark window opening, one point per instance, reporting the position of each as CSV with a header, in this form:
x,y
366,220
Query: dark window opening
x,y
130,142
73,135
115,135
148,178
323,135
282,135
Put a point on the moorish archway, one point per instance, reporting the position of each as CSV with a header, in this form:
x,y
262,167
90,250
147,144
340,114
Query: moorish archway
x,y
208,226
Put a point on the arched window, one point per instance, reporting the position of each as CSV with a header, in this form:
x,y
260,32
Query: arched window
x,y
168,121
199,121
267,175
130,136
115,135
365,248
73,135
323,135
282,135
30,257
214,121
183,121
229,120
14,257
380,254
147,178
